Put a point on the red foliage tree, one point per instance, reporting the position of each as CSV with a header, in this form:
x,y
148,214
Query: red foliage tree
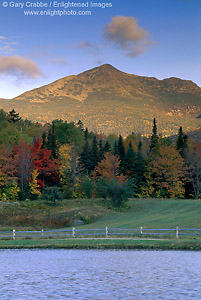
x,y
31,157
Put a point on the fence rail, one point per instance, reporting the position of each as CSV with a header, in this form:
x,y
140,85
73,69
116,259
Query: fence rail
x,y
103,232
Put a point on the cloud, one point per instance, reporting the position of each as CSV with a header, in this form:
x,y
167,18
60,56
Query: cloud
x,y
126,33
58,61
6,49
19,66
87,45
6,46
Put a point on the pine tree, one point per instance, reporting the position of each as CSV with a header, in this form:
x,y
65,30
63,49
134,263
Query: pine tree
x,y
107,147
80,125
49,138
121,148
182,142
85,156
13,116
94,153
101,151
115,148
129,161
44,142
121,152
140,167
52,141
154,139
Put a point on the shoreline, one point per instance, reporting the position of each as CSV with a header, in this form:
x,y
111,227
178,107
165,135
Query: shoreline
x,y
104,243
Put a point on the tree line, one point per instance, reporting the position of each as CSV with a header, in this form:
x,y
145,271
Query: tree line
x,y
65,160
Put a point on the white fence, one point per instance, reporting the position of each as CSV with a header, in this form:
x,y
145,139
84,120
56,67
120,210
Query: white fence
x,y
105,232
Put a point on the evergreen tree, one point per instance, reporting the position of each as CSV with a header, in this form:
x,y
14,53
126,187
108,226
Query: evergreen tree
x,y
107,147
80,125
121,148
115,148
52,141
94,153
140,168
13,116
182,140
44,142
154,139
85,156
101,151
49,138
121,152
182,147
129,161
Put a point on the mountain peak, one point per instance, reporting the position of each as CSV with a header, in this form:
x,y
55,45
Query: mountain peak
x,y
105,68
109,100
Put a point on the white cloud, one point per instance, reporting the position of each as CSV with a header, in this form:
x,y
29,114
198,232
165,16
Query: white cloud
x,y
128,35
19,67
6,49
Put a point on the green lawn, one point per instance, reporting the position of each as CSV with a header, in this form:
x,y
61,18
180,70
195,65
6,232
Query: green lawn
x,y
148,213
172,244
153,213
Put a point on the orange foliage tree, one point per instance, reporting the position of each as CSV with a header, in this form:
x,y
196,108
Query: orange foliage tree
x,y
165,174
109,168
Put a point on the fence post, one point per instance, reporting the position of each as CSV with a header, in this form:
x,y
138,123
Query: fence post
x,y
177,232
13,234
140,230
73,231
42,232
106,232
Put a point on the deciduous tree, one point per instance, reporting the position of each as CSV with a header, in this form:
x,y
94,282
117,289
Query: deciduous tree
x,y
165,174
193,162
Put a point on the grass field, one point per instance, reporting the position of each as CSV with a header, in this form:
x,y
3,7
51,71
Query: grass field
x,y
102,244
153,213
148,213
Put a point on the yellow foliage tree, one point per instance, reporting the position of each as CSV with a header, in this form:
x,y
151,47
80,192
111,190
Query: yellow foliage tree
x,y
68,170
165,175
34,186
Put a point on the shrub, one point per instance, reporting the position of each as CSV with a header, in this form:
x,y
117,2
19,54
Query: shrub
x,y
52,193
88,187
118,193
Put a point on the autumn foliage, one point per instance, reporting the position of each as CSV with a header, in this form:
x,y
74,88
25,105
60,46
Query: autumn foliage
x,y
64,160
109,168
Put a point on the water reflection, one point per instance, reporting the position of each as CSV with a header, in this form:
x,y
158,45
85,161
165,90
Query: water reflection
x,y
100,274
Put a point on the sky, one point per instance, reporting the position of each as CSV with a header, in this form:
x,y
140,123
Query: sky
x,y
156,38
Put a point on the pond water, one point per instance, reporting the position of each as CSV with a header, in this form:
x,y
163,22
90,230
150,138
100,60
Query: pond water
x,y
100,274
